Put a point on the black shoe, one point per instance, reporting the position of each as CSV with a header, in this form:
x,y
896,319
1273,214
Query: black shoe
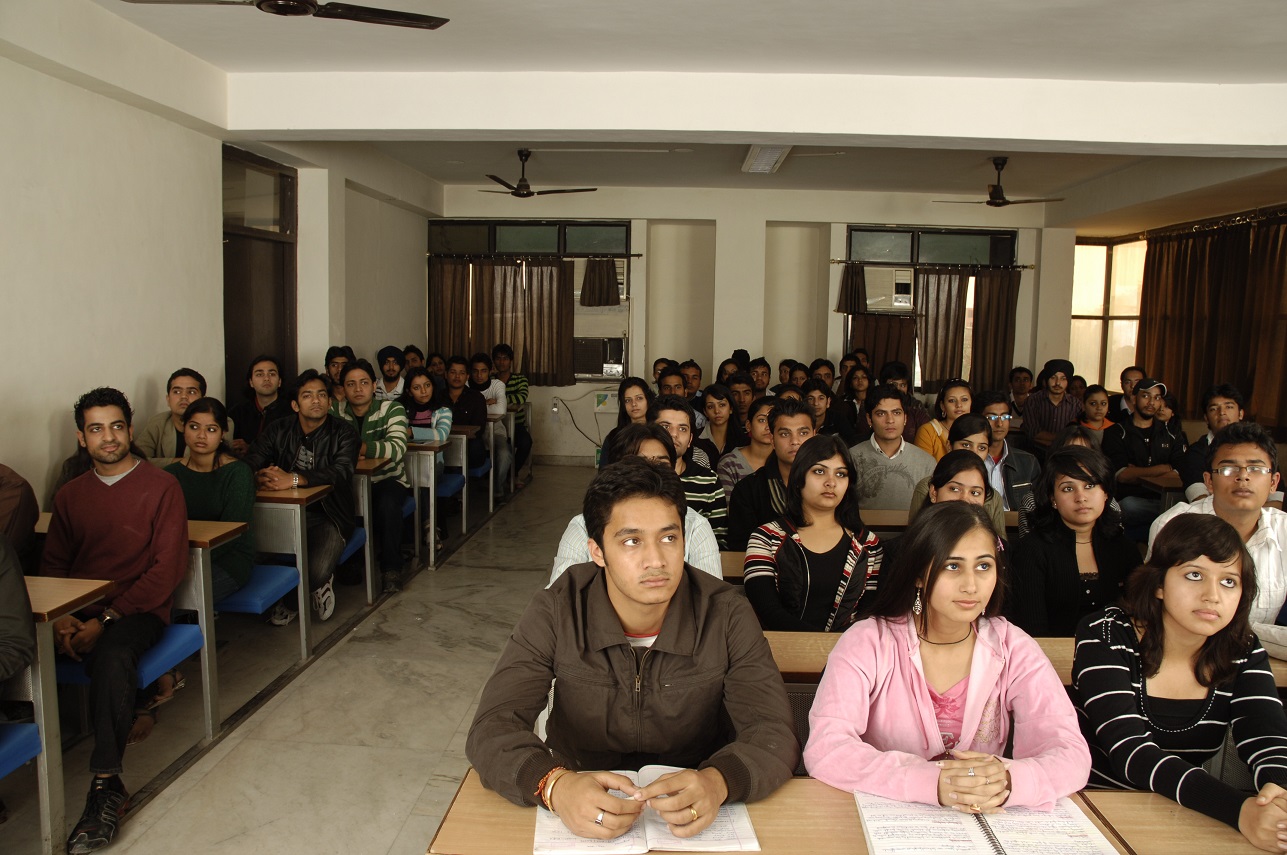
x,y
392,581
104,806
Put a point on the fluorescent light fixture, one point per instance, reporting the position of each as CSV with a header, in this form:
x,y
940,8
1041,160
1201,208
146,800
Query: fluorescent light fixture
x,y
765,159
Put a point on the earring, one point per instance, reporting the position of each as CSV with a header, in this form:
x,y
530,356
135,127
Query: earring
x,y
916,606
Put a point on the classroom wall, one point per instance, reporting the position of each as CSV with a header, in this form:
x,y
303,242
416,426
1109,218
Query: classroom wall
x,y
111,264
796,279
680,301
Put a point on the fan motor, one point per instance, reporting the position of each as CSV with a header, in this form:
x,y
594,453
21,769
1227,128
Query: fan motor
x,y
288,8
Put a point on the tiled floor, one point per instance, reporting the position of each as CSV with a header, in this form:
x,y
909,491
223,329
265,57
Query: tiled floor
x,y
363,751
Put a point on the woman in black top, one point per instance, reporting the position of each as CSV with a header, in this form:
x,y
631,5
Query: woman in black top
x,y
854,388
634,396
1075,559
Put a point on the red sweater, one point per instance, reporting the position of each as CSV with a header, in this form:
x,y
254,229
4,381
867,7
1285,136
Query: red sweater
x,y
134,532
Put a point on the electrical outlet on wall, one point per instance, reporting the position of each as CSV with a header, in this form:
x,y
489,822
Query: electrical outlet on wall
x,y
605,402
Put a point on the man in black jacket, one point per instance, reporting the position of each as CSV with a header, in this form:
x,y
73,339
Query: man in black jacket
x,y
1012,472
761,496
1141,447
309,451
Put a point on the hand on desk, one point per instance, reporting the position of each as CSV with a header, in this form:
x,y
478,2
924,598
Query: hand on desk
x,y
580,797
983,792
75,638
273,478
1263,819
688,800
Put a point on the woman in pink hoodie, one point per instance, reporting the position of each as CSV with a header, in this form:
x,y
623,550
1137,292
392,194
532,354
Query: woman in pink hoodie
x,y
917,703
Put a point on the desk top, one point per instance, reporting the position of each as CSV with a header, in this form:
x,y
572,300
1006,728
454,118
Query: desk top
x,y
202,534
1152,823
52,597
298,496
371,465
1169,481
426,447
480,822
732,565
469,431
496,418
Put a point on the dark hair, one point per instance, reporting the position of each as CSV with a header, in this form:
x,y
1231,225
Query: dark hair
x,y
480,357
103,396
719,392
1077,377
863,351
411,348
502,349
1184,538
788,362
1087,465
741,378
338,350
954,463
742,358
263,357
732,362
735,436
663,360
669,371
876,394
214,408
308,376
1020,369
1138,368
628,439
691,363
783,390
457,359
408,401
1096,388
847,387
814,384
759,362
359,365
801,367
391,352
968,425
955,383
630,478
990,399
816,449
894,370
924,549
821,362
674,402
623,387
785,408
187,372
760,403
430,357
1223,390
1242,433
1065,437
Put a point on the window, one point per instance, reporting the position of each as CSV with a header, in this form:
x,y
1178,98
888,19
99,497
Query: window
x,y
1107,281
923,247
568,239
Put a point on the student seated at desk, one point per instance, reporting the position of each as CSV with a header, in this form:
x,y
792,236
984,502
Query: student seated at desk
x,y
162,436
958,480
428,415
953,401
808,570
655,662
468,407
746,460
217,486
918,702
1159,679
17,628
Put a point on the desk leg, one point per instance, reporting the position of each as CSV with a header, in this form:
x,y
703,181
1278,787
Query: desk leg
x,y
491,476
363,483
49,765
305,600
433,509
512,426
413,471
209,660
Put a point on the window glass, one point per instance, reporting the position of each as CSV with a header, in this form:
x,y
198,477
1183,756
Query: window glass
x,y
458,238
1085,347
880,247
537,238
1088,280
955,249
596,239
1128,278
252,197
1121,347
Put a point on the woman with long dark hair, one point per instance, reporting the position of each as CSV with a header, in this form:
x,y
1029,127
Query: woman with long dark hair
x,y
723,431
746,459
855,386
634,396
960,478
428,414
953,401
1160,678
918,702
808,570
1075,560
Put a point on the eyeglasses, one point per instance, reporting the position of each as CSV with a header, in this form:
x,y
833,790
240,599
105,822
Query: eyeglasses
x,y
1234,471
996,418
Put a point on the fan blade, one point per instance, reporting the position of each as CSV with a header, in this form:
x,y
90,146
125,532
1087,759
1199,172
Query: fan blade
x,y
1029,201
578,190
957,202
367,15
502,192
195,2
502,182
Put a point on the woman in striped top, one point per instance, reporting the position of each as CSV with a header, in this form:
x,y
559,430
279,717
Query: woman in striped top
x,y
1159,679
808,570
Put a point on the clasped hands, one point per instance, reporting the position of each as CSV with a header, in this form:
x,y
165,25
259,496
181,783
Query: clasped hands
x,y
687,800
1263,819
75,637
274,478
983,790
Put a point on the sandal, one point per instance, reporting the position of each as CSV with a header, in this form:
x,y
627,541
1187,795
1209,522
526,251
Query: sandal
x,y
141,729
177,681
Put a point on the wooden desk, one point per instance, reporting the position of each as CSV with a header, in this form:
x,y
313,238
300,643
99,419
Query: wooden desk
x,y
480,822
52,599
362,478
281,525
1150,823
732,563
467,431
1167,486
422,470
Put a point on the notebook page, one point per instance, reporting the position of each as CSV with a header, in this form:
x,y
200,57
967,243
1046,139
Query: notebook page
x,y
1062,831
730,831
552,837
909,828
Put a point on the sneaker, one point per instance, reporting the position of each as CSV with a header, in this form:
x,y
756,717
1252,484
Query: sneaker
x,y
103,808
282,615
392,581
324,600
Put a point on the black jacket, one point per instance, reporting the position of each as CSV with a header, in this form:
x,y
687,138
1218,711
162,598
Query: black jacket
x,y
1020,475
250,421
757,499
1049,595
1126,445
335,449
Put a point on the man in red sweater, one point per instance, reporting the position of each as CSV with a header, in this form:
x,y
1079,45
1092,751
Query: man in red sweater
x,y
124,520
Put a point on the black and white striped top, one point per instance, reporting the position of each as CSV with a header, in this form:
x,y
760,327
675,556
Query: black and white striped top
x,y
1135,745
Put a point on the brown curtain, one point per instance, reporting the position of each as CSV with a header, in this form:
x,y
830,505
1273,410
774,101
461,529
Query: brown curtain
x,y
498,305
600,286
1266,323
996,294
546,354
940,325
853,290
449,306
886,337
1193,309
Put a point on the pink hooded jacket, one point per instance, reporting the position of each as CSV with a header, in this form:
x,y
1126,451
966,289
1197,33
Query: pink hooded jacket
x,y
872,726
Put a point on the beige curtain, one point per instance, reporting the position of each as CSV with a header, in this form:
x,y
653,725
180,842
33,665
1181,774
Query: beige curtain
x,y
853,290
449,300
940,325
600,286
996,295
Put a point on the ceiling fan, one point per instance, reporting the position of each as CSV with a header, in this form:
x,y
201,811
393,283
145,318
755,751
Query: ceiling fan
x,y
311,8
524,189
996,194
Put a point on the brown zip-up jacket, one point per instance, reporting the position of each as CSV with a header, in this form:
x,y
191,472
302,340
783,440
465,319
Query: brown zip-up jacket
x,y
707,693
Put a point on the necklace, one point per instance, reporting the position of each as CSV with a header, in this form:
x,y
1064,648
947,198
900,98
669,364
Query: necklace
x,y
1083,541
968,633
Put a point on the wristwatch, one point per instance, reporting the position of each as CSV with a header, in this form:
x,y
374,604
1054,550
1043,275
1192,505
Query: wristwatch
x,y
294,480
108,617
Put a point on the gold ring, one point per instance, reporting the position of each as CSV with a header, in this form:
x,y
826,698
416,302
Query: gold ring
x,y
974,807
693,810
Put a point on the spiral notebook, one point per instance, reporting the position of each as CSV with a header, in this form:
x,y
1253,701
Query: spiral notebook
x,y
903,828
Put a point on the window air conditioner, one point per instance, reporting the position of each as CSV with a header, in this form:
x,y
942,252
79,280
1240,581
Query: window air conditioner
x,y
889,289
599,358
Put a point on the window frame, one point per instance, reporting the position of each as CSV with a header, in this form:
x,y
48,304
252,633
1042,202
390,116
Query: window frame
x,y
1106,317
560,251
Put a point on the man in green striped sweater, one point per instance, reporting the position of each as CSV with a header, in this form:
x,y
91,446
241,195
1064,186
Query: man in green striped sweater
x,y
382,427
702,491
515,400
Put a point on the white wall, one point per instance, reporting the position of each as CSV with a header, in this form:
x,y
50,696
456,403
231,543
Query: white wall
x,y
386,291
680,301
796,276
112,259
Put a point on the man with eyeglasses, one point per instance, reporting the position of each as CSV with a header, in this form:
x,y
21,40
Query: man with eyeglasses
x,y
1222,405
1011,471
1141,447
1242,464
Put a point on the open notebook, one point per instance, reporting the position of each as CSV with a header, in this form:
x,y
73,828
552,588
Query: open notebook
x,y
730,832
902,828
